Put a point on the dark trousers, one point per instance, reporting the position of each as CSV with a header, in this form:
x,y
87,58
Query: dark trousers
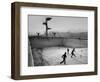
x,y
64,61
73,55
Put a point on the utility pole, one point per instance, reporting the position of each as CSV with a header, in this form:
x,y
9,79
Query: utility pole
x,y
46,24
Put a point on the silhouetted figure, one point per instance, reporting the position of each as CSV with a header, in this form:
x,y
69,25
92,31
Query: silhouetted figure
x,y
54,34
72,53
68,50
38,34
64,58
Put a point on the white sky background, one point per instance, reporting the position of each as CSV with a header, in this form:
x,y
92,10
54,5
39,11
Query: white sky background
x,y
57,23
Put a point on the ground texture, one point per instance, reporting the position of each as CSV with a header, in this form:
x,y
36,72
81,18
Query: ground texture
x,y
52,56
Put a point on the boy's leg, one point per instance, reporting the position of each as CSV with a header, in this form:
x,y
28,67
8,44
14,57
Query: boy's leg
x,y
74,55
61,62
71,56
64,61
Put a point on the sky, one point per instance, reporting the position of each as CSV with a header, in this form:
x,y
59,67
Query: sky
x,y
57,23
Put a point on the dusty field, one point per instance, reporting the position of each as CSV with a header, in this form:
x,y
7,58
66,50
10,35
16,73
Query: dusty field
x,y
52,56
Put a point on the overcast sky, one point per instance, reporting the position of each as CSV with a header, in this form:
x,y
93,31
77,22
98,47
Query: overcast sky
x,y
57,23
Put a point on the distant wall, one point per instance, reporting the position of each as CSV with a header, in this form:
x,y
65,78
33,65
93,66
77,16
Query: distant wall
x,y
40,43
